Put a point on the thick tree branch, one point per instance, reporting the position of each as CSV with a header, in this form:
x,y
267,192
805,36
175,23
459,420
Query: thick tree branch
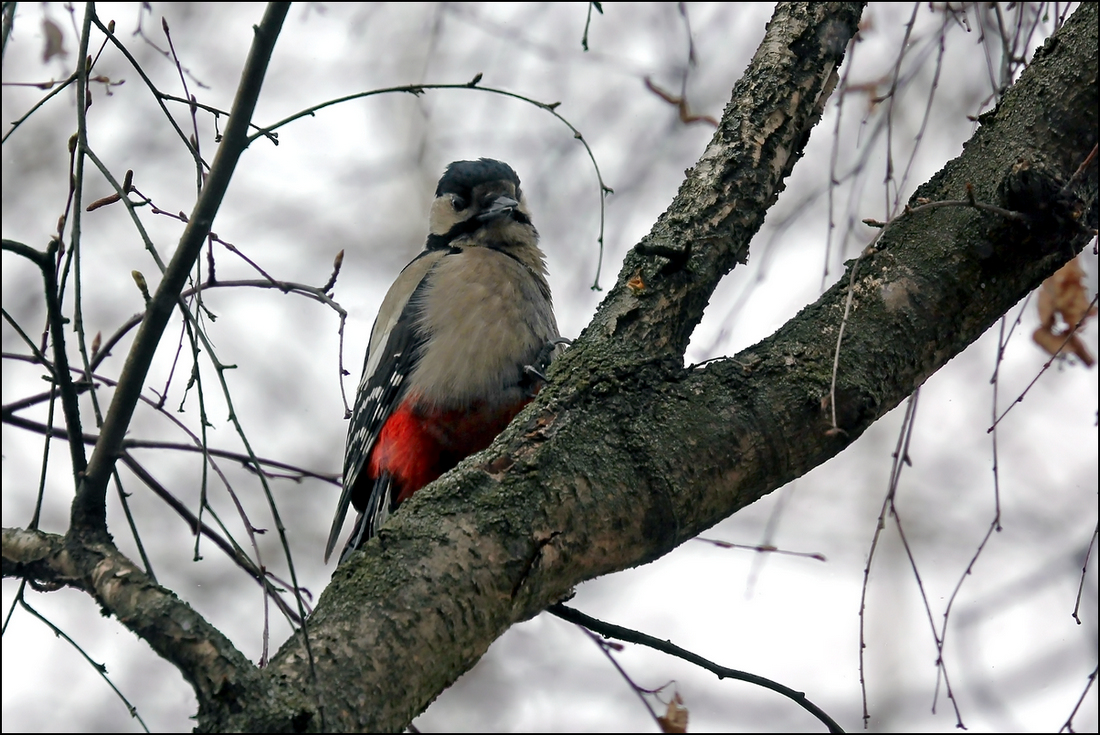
x,y
371,630
205,657
723,201
626,454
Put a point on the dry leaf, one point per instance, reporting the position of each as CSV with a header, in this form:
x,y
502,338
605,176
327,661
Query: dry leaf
x,y
55,41
675,718
686,115
1064,294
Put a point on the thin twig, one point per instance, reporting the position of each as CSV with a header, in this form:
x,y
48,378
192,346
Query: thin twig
x,y
100,668
1084,575
418,89
1046,366
901,458
1068,726
632,636
588,22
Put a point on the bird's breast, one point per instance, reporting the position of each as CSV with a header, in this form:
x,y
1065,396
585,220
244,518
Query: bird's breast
x,y
485,316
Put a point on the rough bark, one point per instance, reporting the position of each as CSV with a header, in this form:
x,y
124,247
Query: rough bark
x,y
628,454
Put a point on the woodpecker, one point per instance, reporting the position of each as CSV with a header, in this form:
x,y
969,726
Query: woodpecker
x,y
455,350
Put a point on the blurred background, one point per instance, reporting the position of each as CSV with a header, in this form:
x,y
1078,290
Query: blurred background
x,y
359,177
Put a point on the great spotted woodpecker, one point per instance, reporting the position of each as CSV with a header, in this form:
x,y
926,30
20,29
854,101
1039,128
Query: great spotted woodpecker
x,y
455,348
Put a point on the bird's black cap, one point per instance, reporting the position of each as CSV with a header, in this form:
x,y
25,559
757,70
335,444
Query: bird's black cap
x,y
462,176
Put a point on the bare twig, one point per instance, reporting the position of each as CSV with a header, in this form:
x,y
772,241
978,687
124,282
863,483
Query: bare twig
x,y
1046,365
419,89
99,668
632,636
90,496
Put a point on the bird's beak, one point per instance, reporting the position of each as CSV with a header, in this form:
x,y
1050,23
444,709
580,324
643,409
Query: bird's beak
x,y
502,206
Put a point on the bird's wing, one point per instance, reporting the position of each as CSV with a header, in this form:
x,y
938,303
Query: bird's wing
x,y
393,353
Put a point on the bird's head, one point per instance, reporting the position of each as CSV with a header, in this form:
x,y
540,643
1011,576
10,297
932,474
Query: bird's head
x,y
480,203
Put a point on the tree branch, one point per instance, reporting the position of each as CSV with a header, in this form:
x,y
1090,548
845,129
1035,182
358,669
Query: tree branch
x,y
447,586
723,201
626,454
60,370
205,657
609,630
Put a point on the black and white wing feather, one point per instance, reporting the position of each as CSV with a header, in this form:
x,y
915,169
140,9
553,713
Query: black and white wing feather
x,y
393,353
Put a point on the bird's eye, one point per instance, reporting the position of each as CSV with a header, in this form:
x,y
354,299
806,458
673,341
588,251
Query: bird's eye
x,y
458,203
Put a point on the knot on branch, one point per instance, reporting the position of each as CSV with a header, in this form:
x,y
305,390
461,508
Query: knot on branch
x,y
1052,210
